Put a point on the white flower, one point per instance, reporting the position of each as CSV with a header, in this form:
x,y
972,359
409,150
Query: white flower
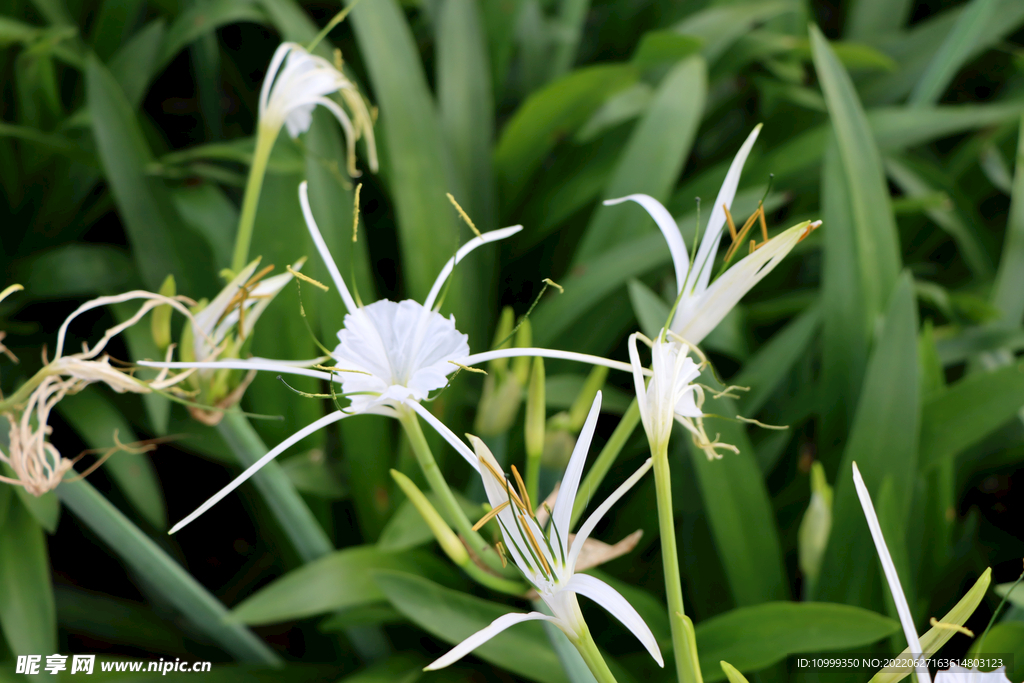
x,y
296,82
548,558
703,304
956,674
671,394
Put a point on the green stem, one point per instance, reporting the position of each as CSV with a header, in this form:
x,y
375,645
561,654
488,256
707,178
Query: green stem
x,y
25,390
592,656
265,138
687,668
163,573
630,419
425,458
287,506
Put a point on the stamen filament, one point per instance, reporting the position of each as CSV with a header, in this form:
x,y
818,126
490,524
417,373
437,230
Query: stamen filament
x,y
489,516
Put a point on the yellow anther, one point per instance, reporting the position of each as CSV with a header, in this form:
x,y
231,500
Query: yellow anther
x,y
951,627
355,213
536,546
552,283
500,547
306,278
489,516
504,484
464,215
729,221
467,368
522,490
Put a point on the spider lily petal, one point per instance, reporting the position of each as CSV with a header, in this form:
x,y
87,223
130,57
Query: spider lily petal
x,y
610,599
890,573
482,636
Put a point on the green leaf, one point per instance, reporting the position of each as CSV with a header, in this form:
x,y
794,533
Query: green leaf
x,y
407,529
1014,597
883,442
115,620
135,64
731,673
14,31
961,43
754,638
773,361
405,667
209,212
27,611
650,310
162,573
1008,292
466,106
74,270
877,241
549,114
337,581
738,508
946,217
869,19
452,616
153,227
720,25
203,18
97,421
660,47
937,636
652,159
969,411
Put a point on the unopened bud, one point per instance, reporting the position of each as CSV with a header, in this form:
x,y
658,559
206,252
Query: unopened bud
x,y
161,320
581,406
499,405
536,412
446,538
816,524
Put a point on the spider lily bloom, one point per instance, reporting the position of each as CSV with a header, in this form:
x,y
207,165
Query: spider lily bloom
x,y
548,558
37,464
702,304
671,394
296,82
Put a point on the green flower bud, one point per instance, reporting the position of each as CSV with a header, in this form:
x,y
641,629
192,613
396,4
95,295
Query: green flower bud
x,y
816,524
446,538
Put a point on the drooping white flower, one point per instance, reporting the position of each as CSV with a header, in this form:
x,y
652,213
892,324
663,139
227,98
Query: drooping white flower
x,y
546,556
296,82
957,674
671,395
702,304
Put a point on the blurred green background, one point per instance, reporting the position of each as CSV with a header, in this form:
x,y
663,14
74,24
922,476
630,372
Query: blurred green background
x,y
891,336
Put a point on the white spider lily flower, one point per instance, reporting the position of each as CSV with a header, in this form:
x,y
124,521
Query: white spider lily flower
x,y
893,579
547,558
702,304
957,674
671,395
296,82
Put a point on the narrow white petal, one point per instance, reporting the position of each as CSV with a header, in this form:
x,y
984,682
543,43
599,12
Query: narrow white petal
x,y
446,433
285,367
890,572
483,635
609,598
700,274
321,246
275,63
255,467
486,238
699,315
478,358
638,382
669,228
562,514
588,526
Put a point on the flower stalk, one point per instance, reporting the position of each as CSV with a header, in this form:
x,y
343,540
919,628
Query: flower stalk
x,y
265,138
